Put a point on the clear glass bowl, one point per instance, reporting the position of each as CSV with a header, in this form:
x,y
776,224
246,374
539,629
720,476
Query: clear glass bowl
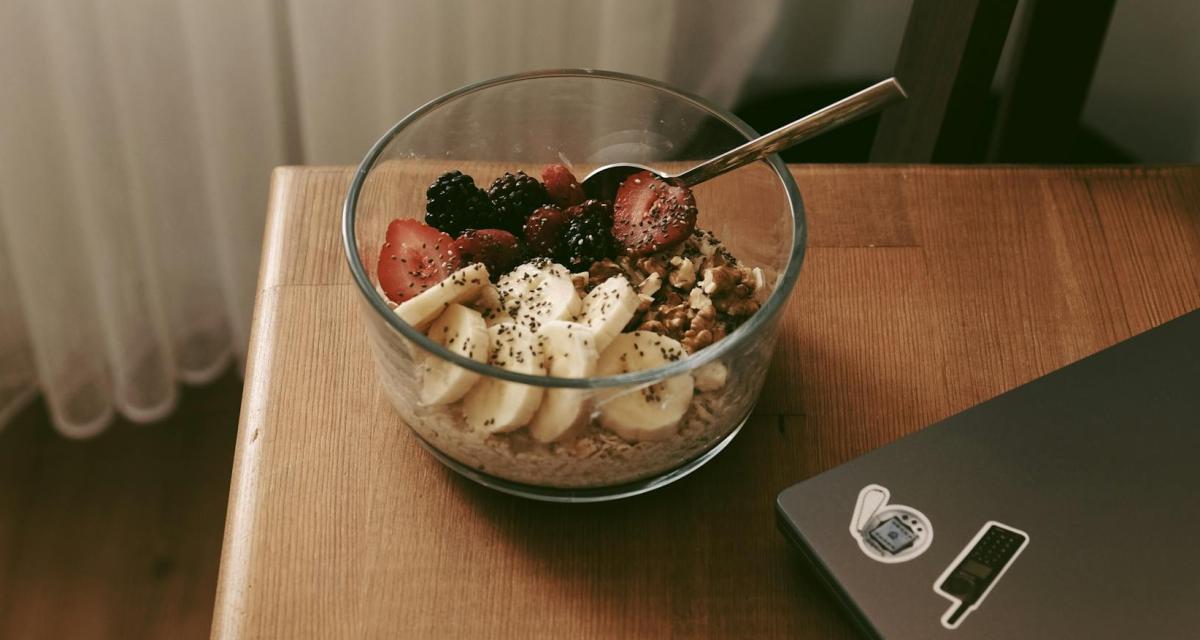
x,y
584,118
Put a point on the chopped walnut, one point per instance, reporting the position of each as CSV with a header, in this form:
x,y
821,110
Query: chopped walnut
x,y
652,264
683,273
719,280
702,330
601,271
736,307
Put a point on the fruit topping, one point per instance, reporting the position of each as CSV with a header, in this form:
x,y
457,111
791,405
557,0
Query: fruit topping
x,y
544,230
515,196
561,185
414,257
454,204
651,214
499,250
588,237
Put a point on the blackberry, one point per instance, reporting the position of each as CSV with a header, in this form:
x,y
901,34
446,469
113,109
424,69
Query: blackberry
x,y
514,197
588,236
454,204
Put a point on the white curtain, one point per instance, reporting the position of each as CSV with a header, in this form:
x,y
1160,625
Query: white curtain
x,y
137,137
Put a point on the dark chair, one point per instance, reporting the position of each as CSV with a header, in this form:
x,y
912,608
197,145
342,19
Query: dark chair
x,y
947,63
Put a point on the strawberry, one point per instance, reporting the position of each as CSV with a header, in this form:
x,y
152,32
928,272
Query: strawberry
x,y
562,186
414,257
651,214
544,229
498,250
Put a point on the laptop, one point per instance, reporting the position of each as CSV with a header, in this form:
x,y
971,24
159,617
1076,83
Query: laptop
x,y
1068,507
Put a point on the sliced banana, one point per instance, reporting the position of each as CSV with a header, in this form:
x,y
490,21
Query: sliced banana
x,y
462,331
648,412
488,303
569,349
608,308
461,286
495,405
537,292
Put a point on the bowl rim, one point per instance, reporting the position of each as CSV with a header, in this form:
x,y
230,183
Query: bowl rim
x,y
747,331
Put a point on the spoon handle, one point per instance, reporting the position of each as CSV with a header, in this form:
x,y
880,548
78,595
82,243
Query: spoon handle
x,y
869,100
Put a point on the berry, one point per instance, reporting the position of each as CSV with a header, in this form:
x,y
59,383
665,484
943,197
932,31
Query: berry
x,y
544,231
651,214
562,187
415,256
588,237
497,249
515,196
453,203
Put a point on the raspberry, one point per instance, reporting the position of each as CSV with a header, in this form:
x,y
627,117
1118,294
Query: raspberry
x,y
453,204
543,231
588,237
514,197
497,249
563,188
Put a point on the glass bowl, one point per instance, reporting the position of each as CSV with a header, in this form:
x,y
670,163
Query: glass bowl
x,y
583,118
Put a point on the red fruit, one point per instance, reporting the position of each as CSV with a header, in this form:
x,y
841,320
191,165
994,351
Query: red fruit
x,y
414,257
498,250
562,186
651,214
544,229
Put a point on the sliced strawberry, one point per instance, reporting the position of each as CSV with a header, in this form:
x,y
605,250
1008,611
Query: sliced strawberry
x,y
562,186
544,229
651,214
414,257
498,250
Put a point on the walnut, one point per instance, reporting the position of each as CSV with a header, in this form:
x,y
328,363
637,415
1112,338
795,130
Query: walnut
x,y
653,325
702,330
683,274
652,264
735,306
720,280
601,271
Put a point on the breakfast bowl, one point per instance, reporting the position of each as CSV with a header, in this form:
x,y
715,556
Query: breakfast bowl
x,y
554,346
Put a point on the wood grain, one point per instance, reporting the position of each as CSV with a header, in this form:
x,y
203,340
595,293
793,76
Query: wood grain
x,y
925,290
117,537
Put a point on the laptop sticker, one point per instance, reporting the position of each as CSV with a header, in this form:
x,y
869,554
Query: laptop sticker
x,y
888,533
977,569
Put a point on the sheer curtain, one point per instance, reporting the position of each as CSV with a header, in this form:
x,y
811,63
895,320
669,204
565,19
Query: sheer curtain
x,y
137,137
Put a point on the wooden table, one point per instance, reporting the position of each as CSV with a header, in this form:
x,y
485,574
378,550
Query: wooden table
x,y
925,290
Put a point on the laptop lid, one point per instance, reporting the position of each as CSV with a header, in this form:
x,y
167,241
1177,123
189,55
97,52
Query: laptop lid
x,y
1068,507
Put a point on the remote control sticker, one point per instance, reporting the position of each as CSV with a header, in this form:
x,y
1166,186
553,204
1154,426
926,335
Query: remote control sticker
x,y
974,573
888,533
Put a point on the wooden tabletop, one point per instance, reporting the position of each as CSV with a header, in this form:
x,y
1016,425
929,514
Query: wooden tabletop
x,y
925,290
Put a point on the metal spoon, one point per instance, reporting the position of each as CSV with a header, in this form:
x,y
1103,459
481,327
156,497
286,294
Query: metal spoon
x,y
603,182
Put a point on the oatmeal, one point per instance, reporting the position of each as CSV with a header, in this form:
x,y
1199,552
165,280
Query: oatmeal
x,y
533,278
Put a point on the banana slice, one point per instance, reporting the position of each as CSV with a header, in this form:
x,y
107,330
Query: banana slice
x,y
608,308
461,286
537,292
649,412
569,349
464,332
488,303
495,405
